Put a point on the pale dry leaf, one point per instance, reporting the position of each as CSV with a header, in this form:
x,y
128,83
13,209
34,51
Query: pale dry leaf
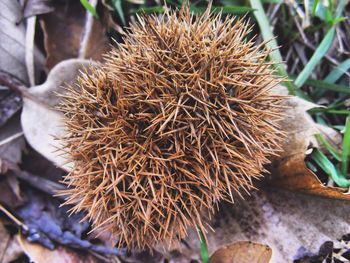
x,y
242,252
41,123
37,7
40,254
12,42
12,63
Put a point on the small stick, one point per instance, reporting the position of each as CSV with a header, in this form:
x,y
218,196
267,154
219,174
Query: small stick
x,y
13,218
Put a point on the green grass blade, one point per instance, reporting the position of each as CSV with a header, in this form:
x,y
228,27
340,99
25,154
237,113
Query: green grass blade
x,y
327,86
204,247
231,9
89,7
329,110
314,7
340,8
266,32
320,52
332,150
119,8
337,72
327,166
149,10
271,42
321,49
346,148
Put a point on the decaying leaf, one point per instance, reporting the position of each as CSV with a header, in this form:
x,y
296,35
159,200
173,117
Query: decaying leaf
x,y
12,39
289,169
291,224
40,254
11,149
9,247
65,31
40,122
37,7
242,252
10,193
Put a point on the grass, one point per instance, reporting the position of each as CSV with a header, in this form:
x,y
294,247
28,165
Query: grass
x,y
203,247
89,8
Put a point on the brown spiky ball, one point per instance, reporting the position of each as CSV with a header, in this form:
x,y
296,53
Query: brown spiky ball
x,y
176,119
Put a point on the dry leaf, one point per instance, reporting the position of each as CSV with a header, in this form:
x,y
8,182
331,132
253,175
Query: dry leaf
x,y
290,224
10,192
37,7
64,31
40,122
12,39
242,252
11,150
40,254
9,247
289,169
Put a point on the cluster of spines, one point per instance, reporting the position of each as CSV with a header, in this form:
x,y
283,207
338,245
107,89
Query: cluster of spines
x,y
177,118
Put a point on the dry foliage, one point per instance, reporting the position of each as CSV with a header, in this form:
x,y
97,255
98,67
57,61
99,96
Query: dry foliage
x,y
178,118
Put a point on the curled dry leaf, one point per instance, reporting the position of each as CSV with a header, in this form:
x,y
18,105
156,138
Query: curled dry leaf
x,y
41,123
289,169
242,252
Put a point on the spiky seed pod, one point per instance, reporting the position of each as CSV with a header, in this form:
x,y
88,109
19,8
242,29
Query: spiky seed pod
x,y
176,119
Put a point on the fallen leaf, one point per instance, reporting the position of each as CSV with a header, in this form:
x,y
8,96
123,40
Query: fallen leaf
x,y
286,221
289,169
10,101
41,123
65,31
40,254
12,39
37,7
12,150
10,192
9,246
242,252
12,65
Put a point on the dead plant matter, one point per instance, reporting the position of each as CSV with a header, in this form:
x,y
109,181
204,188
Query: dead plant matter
x,y
177,118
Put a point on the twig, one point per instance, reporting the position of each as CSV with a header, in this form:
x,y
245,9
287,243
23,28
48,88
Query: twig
x,y
29,49
9,81
87,31
11,138
13,218
38,182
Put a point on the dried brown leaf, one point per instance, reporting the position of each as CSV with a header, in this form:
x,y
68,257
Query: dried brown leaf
x,y
40,254
242,252
291,224
289,169
9,247
65,30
